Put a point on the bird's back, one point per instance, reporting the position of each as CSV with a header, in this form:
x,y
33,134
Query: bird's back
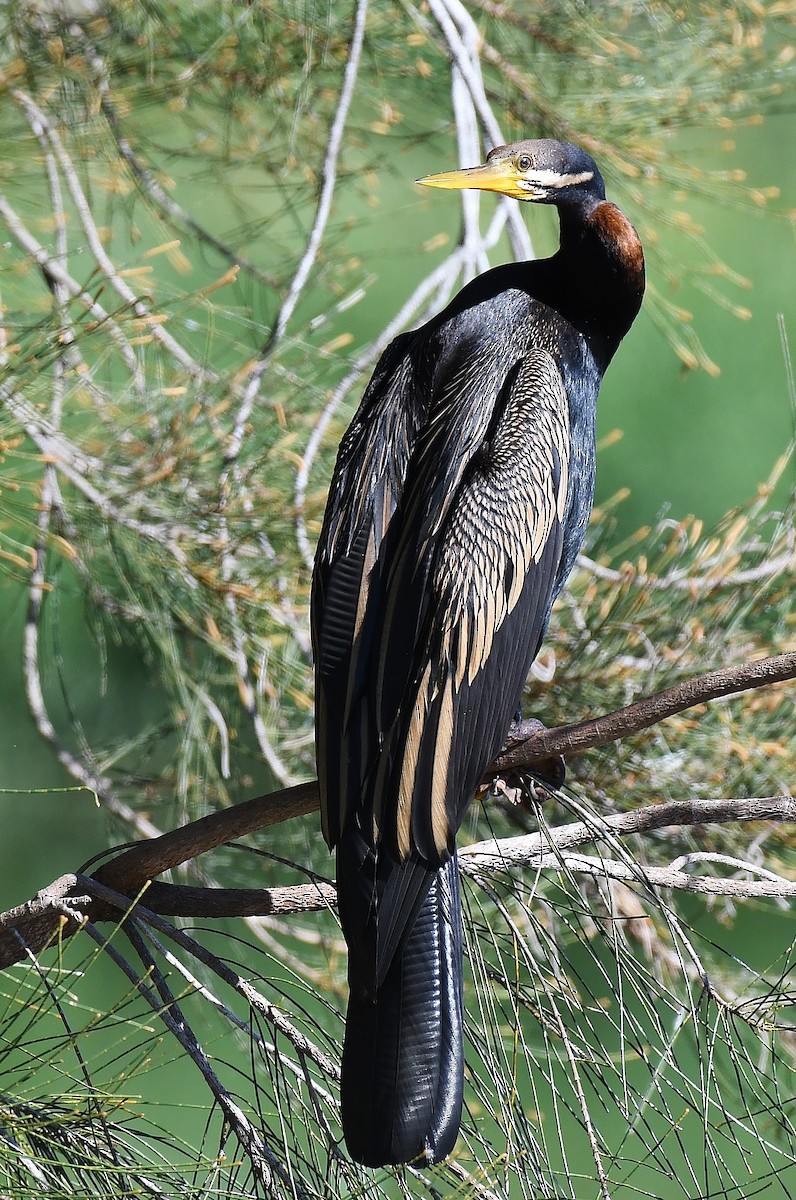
x,y
455,518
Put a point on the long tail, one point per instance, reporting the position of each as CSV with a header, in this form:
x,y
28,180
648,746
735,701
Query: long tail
x,y
403,1058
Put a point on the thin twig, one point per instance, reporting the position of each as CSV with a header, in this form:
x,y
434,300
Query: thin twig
x,y
34,691
143,176
56,274
531,849
263,1161
307,261
276,1018
669,877
136,305
230,477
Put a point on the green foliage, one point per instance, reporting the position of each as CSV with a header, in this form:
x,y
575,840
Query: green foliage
x,y
684,602
172,393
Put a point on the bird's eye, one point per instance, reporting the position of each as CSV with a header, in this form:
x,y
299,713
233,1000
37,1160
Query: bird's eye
x,y
525,162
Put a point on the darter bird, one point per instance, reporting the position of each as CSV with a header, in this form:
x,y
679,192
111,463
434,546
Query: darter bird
x,y
458,504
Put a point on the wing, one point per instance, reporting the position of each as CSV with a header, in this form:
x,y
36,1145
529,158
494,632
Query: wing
x,y
486,569
493,583
422,418
366,484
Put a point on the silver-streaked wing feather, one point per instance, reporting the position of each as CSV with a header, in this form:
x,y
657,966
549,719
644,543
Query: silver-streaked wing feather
x,y
492,583
396,475
365,489
489,587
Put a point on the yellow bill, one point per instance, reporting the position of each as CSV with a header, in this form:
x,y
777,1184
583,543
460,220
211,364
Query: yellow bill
x,y
498,176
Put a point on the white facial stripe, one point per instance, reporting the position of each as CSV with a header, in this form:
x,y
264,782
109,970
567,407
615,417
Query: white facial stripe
x,y
551,179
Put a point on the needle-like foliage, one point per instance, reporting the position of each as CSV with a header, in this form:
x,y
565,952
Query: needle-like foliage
x,y
191,306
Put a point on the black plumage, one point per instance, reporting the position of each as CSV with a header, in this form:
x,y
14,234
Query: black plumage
x,y
458,504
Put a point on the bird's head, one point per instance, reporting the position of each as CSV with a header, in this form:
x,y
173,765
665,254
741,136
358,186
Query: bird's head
x,y
544,171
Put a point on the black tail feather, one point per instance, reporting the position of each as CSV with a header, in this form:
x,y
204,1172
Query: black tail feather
x,y
403,1057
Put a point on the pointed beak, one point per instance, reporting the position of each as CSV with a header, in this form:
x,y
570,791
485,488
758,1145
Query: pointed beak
x,y
498,176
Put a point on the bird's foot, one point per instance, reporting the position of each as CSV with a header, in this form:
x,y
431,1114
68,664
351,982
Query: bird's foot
x,y
547,775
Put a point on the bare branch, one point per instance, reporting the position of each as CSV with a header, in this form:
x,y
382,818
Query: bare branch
x,y
60,908
179,900
463,40
531,848
669,877
600,731
128,872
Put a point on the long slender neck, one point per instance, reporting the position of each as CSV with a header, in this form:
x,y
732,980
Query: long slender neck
x,y
596,279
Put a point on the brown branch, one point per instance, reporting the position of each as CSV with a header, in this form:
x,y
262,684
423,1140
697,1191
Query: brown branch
x,y
58,908
600,731
173,900
128,872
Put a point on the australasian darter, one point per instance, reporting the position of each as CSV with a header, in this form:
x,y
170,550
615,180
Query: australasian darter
x,y
458,504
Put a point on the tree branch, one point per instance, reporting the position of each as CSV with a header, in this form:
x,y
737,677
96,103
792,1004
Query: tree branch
x,y
129,870
549,847
60,909
600,731
134,868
